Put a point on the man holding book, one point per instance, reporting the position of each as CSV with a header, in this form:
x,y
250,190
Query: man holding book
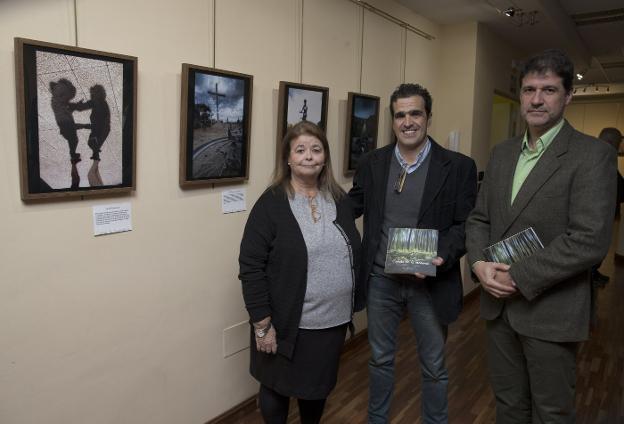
x,y
412,183
560,183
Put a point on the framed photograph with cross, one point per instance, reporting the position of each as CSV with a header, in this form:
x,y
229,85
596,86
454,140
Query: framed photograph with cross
x,y
300,102
214,126
76,112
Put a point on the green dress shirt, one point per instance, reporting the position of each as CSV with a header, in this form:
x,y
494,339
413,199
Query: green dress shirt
x,y
528,158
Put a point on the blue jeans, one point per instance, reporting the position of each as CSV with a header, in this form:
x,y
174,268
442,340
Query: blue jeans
x,y
387,301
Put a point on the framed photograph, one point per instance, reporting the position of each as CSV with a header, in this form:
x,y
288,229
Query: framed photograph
x,y
300,102
76,112
215,125
361,134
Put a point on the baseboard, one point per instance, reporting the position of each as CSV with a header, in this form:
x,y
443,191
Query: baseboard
x,y
235,414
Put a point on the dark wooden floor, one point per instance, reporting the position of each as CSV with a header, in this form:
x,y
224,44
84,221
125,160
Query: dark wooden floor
x,y
600,371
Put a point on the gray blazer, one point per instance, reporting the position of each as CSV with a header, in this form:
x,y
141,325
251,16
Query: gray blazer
x,y
568,198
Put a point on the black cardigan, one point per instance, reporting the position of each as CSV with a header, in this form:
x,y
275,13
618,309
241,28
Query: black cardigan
x,y
273,264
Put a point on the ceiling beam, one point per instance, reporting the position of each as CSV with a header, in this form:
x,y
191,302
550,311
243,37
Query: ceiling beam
x,y
565,25
598,17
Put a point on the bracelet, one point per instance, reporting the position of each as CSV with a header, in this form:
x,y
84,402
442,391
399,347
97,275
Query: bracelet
x,y
261,332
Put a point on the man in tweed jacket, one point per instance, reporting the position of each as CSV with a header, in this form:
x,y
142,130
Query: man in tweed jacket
x,y
562,183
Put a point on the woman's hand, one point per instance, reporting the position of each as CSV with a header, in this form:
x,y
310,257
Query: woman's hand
x,y
268,343
266,340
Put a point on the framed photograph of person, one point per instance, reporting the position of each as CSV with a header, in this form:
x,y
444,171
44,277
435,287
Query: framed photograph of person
x,y
300,102
361,134
214,127
76,112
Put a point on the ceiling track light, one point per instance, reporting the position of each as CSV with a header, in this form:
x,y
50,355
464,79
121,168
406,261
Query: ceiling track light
x,y
597,88
519,17
510,12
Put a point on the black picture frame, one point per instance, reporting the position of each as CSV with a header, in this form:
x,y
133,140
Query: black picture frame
x,y
214,126
362,129
298,102
76,112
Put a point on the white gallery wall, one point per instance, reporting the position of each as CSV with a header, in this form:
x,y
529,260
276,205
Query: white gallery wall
x,y
132,327
592,115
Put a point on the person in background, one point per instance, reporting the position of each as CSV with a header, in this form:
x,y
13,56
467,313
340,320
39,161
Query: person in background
x,y
298,258
613,136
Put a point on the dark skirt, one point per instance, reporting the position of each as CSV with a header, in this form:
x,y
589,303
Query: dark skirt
x,y
313,369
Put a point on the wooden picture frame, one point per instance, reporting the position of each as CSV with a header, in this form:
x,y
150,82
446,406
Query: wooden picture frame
x,y
214,126
362,129
300,102
76,111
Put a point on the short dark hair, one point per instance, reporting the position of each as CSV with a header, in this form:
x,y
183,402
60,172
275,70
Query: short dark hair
x,y
611,135
550,60
404,91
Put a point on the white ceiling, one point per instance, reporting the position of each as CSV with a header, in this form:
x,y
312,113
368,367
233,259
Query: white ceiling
x,y
597,48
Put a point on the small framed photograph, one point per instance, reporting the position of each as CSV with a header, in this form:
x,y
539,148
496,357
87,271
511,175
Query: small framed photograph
x,y
76,112
300,102
361,134
214,127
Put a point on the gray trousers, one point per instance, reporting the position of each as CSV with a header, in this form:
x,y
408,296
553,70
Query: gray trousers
x,y
533,380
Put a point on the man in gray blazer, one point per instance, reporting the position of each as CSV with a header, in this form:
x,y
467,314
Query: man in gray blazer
x,y
562,183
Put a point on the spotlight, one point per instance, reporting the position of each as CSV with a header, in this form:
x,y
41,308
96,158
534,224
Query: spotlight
x,y
510,12
579,76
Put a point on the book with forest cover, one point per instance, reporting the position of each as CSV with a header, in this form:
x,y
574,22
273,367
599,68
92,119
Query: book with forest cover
x,y
411,250
514,248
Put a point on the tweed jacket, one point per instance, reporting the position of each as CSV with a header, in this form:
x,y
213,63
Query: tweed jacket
x,y
448,197
273,263
568,199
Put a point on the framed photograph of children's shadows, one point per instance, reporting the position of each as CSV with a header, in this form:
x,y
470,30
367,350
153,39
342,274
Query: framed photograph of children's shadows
x,y
361,134
76,112
215,126
300,102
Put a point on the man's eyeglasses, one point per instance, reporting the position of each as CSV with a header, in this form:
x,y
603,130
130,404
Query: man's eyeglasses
x,y
400,182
